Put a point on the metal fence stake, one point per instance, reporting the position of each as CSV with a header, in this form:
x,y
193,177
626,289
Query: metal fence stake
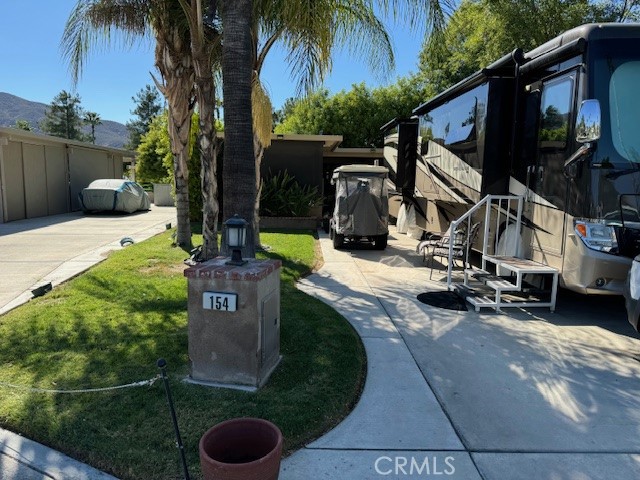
x,y
162,365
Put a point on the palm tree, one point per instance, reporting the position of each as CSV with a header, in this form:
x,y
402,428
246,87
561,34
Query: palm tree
x,y
239,167
93,119
92,21
205,37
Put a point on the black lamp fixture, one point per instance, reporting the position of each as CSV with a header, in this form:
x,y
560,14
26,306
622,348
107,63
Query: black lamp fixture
x,y
236,238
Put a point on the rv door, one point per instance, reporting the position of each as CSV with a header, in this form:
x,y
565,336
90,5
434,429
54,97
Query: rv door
x,y
546,182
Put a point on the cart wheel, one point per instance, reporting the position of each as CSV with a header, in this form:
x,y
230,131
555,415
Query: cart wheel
x,y
338,240
380,243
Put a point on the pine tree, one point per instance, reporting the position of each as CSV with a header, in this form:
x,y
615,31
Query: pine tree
x,y
148,107
64,117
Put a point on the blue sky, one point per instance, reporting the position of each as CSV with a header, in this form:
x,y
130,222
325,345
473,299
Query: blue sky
x,y
33,66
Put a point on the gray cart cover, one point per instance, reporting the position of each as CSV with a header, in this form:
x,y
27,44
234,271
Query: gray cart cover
x,y
114,195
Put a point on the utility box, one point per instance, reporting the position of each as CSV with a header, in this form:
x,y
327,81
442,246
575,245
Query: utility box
x,y
162,195
234,322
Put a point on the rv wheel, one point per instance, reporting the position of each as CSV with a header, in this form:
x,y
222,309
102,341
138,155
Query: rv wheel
x,y
380,242
338,240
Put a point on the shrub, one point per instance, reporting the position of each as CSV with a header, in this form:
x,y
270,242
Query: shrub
x,y
283,196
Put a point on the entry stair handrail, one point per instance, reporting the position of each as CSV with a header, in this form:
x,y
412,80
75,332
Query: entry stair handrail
x,y
507,210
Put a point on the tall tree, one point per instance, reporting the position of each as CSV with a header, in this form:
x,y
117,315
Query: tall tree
x,y
148,107
481,31
239,167
153,151
92,21
93,120
205,36
284,111
356,114
63,117
531,23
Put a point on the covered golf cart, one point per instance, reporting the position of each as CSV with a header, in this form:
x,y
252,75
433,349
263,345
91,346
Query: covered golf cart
x,y
114,195
362,210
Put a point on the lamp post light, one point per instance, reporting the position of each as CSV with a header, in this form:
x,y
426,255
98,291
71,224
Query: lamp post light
x,y
236,238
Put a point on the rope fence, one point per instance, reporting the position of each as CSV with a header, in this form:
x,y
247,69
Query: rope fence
x,y
142,383
161,364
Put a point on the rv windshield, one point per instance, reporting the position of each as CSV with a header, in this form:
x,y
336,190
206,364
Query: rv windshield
x,y
615,71
624,110
614,179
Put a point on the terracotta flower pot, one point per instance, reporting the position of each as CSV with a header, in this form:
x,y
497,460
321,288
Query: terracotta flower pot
x,y
241,449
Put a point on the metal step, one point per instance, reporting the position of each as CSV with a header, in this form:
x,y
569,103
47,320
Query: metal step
x,y
475,271
501,283
484,297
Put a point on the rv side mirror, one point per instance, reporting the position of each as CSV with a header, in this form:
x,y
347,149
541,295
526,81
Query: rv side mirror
x,y
588,122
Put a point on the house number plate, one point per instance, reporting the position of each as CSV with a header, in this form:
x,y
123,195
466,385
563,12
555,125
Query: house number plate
x,y
226,302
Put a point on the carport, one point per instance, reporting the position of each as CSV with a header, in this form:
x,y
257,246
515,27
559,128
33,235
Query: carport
x,y
42,175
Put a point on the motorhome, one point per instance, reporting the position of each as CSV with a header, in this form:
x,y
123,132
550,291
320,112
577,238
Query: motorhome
x,y
558,127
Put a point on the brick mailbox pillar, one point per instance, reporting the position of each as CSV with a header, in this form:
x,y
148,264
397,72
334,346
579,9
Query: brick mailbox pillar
x,y
234,322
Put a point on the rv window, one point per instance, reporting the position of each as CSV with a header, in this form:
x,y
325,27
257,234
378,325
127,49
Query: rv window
x,y
624,107
557,99
556,111
458,125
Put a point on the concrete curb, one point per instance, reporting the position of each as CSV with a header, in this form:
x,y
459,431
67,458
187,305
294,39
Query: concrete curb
x,y
43,460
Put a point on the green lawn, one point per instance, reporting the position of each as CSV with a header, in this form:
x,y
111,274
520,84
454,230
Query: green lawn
x,y
110,325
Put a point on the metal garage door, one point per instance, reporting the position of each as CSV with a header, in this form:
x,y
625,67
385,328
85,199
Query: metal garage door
x,y
35,181
87,165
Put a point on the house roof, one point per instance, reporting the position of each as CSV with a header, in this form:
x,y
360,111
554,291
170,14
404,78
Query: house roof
x,y
330,142
16,134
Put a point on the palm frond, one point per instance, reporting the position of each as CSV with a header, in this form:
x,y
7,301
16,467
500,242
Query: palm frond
x,y
262,117
359,30
92,22
306,28
425,15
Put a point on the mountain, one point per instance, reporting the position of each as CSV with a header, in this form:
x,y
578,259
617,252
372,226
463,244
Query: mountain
x,y
12,108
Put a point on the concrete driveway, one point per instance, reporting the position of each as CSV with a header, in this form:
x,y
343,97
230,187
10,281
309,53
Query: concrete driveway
x,y
52,249
530,394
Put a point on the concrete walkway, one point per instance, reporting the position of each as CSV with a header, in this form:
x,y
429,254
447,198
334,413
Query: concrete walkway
x,y
519,395
24,459
53,249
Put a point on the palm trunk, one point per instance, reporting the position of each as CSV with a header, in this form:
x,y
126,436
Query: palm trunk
x,y
173,60
239,167
205,94
258,150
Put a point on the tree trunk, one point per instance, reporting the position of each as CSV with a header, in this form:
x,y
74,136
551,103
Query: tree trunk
x,y
239,166
173,60
258,150
205,95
